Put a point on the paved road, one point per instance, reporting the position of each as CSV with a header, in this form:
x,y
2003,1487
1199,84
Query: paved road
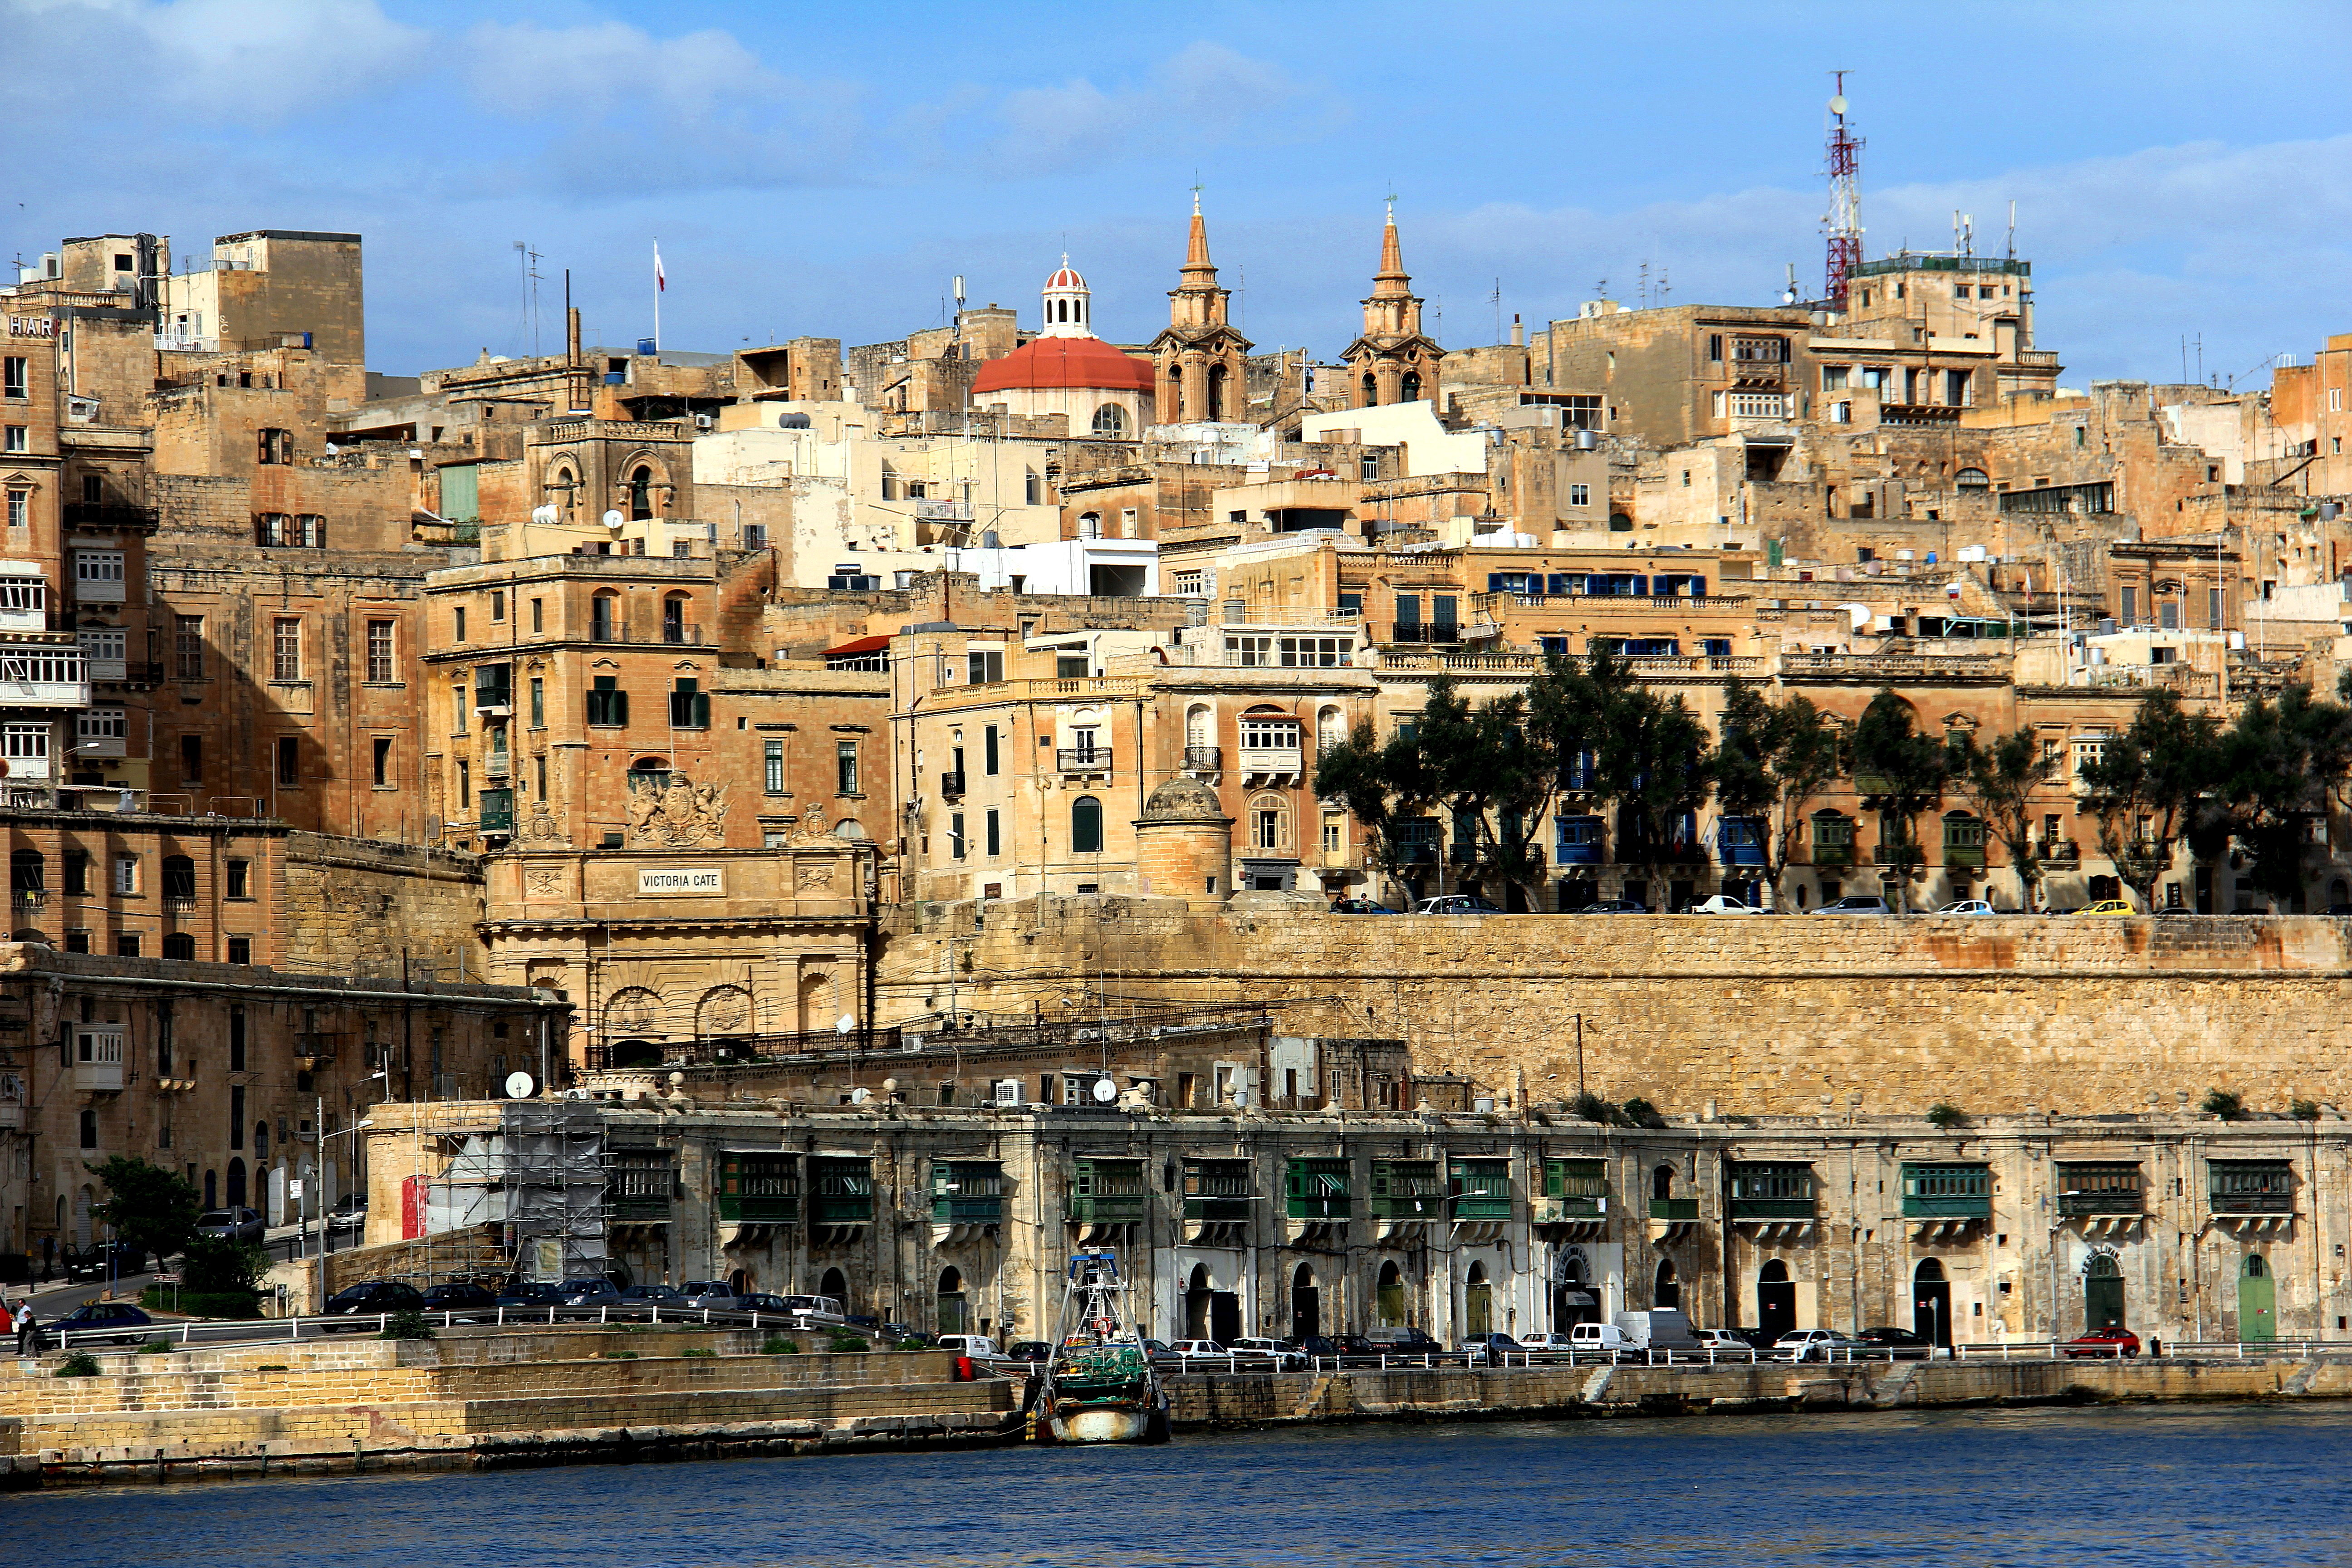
x,y
57,1297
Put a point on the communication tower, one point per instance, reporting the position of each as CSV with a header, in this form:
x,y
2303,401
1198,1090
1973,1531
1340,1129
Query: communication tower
x,y
1843,220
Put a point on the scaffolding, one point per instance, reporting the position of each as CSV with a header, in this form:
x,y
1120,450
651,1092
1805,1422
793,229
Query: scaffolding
x,y
540,1176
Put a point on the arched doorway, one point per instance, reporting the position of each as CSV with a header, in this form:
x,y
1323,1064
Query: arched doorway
x,y
740,1281
2103,1293
1477,1303
1573,1299
236,1184
1668,1290
1661,1183
1931,1303
2257,1299
1197,1292
951,1302
1305,1303
1389,1296
835,1284
1775,1299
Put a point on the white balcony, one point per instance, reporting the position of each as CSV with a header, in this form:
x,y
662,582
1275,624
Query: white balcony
x,y
98,1060
26,770
101,746
16,619
107,668
1275,760
47,674
102,591
12,1116
98,1078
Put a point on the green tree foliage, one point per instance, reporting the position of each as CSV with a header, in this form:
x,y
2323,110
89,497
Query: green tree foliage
x,y
2003,782
215,1266
1898,772
150,1207
1769,762
2275,771
2147,786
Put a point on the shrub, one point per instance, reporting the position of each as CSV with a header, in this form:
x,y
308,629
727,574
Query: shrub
x,y
2303,1109
1641,1113
214,1265
2224,1103
81,1363
406,1326
201,1303
1944,1114
620,1355
157,1347
271,1366
848,1342
776,1344
1593,1107
700,1354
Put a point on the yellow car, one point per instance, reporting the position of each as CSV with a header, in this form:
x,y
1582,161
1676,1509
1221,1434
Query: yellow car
x,y
2107,907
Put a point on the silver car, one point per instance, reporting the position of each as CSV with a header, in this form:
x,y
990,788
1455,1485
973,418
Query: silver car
x,y
235,1224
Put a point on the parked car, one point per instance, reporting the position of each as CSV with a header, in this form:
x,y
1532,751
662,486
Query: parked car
x,y
2107,907
236,1224
1359,907
1197,1350
370,1296
759,1301
1724,904
104,1260
1758,1339
591,1290
349,1214
1814,1344
460,1297
2115,1340
1544,1344
1311,1345
1029,1350
1588,1339
522,1294
1900,1344
655,1296
1456,904
825,1309
1967,907
1355,1344
1285,1359
1403,1341
713,1293
1157,1349
2337,910
1855,904
1726,1341
979,1347
1615,907
1483,1349
113,1320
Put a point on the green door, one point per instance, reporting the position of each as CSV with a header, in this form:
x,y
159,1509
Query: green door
x,y
2257,1300
2103,1293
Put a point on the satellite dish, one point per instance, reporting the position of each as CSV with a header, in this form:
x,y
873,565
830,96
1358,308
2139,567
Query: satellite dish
x,y
1105,1091
614,520
518,1086
1837,105
844,1024
860,1096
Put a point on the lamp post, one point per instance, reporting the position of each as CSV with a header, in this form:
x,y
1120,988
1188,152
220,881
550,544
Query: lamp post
x,y
326,1220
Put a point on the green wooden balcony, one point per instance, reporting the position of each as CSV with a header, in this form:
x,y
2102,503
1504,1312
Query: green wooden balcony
x,y
967,1192
1946,1191
759,1189
841,1191
1319,1190
2250,1186
1673,1208
1407,1189
1219,1191
1480,1189
2088,1191
1769,1191
1107,1191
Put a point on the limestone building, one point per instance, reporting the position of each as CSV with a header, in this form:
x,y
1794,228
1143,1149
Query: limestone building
x,y
1392,361
1097,390
1202,357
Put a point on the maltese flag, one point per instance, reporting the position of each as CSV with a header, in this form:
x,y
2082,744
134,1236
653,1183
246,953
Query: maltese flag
x,y
661,281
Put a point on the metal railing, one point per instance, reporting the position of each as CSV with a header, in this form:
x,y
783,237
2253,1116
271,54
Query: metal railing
x,y
1094,760
1204,759
318,1325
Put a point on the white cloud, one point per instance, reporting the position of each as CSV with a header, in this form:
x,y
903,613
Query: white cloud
x,y
1203,95
523,70
230,62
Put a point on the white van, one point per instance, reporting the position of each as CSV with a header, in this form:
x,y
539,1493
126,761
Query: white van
x,y
979,1347
1659,1329
1588,1338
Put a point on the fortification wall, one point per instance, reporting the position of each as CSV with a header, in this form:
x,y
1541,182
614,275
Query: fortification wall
x,y
355,905
1762,1015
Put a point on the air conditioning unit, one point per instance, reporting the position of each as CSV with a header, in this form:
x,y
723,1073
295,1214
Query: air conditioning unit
x,y
705,422
1006,1092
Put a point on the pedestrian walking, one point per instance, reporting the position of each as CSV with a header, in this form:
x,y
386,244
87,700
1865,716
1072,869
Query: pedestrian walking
x,y
29,1329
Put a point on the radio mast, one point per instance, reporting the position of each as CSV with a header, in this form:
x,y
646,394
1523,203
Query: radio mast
x,y
1844,221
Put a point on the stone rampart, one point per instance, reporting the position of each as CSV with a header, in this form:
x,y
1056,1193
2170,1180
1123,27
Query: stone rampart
x,y
1771,1014
360,907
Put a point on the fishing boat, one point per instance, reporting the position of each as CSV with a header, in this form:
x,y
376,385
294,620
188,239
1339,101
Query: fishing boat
x,y
1099,1385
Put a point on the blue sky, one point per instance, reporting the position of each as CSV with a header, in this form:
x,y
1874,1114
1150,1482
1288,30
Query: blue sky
x,y
2179,169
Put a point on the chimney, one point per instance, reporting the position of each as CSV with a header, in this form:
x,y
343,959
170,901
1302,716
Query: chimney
x,y
1518,333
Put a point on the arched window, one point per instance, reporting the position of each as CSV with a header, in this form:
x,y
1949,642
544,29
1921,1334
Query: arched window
x,y
1409,389
1217,392
179,879
1330,727
1269,823
1973,479
1668,1292
2255,1267
603,618
835,1284
179,944
1110,420
1174,410
1085,825
1662,1182
1089,525
649,774
1390,1297
1620,523
567,489
641,494
674,619
1371,390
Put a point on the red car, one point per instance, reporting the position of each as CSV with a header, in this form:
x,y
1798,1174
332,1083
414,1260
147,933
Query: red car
x,y
2111,1340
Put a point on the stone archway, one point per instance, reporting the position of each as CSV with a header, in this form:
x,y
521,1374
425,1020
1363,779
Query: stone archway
x,y
724,1010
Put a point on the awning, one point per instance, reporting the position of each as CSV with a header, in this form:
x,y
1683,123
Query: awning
x,y
1578,1298
859,645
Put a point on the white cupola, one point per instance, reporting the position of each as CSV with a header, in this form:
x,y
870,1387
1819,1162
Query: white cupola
x,y
1068,313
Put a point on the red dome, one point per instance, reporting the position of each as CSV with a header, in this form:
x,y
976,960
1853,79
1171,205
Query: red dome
x,y
1066,277
1049,364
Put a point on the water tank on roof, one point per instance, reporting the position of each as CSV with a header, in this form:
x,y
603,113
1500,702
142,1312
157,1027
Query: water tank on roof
x,y
792,421
1587,440
647,346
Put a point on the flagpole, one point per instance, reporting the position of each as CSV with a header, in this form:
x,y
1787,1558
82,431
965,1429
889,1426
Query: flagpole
x,y
657,293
